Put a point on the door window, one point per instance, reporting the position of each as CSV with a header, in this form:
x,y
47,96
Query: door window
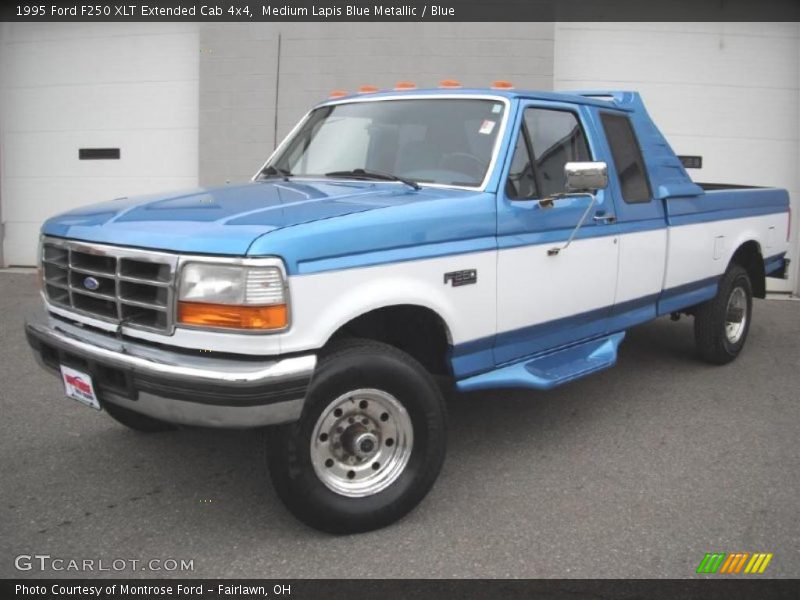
x,y
548,140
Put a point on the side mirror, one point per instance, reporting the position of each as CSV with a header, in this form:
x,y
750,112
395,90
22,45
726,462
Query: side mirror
x,y
585,176
582,179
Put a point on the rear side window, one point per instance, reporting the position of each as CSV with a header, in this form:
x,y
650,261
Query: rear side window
x,y
627,158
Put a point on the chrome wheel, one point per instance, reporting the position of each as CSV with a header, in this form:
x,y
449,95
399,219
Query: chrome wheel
x,y
361,442
736,315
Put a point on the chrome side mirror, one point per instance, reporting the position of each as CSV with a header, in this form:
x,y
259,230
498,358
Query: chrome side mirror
x,y
582,179
585,176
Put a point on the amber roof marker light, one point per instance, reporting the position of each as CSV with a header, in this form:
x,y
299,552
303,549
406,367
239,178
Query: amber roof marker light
x,y
404,86
502,85
450,84
337,94
368,89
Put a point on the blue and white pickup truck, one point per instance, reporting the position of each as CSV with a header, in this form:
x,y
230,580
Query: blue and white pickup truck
x,y
493,237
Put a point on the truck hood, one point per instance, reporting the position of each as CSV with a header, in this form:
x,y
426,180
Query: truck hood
x,y
228,219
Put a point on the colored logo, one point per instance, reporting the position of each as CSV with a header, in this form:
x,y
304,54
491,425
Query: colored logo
x,y
79,384
734,563
90,283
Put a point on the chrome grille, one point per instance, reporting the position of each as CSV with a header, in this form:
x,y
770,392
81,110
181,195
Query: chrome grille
x,y
120,285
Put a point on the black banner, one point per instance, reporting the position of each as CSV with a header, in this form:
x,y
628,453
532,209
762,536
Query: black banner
x,y
400,10
382,589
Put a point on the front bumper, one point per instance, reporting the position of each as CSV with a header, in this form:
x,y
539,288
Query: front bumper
x,y
174,385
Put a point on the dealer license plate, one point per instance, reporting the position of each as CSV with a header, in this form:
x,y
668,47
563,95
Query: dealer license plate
x,y
78,386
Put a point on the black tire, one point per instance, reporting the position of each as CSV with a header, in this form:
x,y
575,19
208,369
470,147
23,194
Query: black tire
x,y
136,421
713,343
359,365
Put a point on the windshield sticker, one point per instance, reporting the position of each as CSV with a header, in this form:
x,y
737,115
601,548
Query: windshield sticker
x,y
496,108
487,127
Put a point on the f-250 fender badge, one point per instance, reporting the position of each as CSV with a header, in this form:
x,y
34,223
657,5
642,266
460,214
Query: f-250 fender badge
x,y
457,278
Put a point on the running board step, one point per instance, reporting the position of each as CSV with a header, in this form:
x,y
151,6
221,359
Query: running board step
x,y
552,369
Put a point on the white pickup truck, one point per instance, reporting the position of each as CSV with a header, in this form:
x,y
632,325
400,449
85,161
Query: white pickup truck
x,y
493,237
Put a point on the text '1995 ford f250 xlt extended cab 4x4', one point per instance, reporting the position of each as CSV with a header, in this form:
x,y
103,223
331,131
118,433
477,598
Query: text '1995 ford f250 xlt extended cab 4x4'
x,y
497,237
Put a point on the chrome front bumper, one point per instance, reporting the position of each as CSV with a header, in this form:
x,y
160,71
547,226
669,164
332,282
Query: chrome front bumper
x,y
173,385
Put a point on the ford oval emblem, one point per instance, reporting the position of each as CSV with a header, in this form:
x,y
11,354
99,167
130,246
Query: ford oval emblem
x,y
90,283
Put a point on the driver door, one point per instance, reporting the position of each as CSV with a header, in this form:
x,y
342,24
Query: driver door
x,y
545,301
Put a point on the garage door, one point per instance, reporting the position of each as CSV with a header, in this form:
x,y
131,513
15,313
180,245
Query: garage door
x,y
108,87
725,91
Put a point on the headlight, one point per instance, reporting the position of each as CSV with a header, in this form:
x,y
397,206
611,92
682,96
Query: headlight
x,y
233,296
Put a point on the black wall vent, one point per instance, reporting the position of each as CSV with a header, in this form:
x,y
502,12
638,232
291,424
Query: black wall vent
x,y
692,162
98,153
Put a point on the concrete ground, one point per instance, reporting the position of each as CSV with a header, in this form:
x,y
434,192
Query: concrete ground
x,y
634,472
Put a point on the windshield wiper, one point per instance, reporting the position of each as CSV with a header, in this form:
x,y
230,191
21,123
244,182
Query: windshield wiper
x,y
273,171
372,174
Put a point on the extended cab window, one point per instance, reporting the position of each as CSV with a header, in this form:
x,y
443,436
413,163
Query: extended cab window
x,y
627,158
548,140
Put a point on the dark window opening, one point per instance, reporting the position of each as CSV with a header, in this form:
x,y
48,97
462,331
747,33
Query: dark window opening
x,y
98,154
627,158
521,182
548,140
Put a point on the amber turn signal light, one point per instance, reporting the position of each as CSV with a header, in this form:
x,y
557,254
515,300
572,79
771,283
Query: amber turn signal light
x,y
275,316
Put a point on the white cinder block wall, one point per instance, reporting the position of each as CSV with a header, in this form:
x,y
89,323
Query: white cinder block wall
x,y
70,86
727,91
239,72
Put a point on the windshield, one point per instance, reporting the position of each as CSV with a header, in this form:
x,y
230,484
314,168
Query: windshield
x,y
443,141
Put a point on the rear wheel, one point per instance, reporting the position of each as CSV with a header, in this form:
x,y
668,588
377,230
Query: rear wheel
x,y
136,421
369,445
721,325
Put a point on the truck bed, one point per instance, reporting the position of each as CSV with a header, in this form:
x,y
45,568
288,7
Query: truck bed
x,y
724,201
710,187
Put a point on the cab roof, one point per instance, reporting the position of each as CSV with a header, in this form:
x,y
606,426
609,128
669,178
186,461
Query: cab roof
x,y
620,100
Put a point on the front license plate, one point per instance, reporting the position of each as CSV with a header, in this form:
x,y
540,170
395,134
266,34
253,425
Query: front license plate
x,y
78,386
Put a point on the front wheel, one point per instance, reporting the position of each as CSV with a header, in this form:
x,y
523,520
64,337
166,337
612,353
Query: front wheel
x,y
369,445
721,324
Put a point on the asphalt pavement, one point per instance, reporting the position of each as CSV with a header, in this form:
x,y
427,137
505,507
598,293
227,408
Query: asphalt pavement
x,y
637,471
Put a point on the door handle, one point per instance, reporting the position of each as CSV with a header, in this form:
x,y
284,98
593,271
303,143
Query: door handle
x,y
602,217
